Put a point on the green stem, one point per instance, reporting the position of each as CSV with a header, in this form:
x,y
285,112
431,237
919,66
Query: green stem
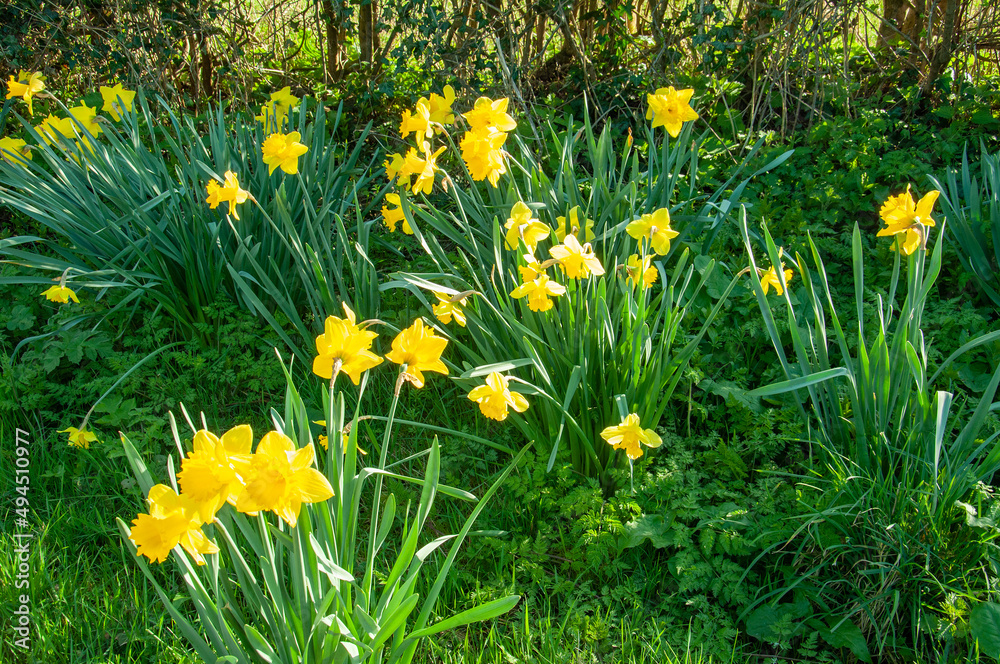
x,y
376,502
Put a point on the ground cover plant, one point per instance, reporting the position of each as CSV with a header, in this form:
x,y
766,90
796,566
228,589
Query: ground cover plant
x,y
616,379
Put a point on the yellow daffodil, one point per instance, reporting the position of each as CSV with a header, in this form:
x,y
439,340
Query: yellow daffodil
x,y
324,441
116,100
392,216
522,225
14,151
901,213
574,227
279,478
655,228
670,109
629,435
640,271
419,122
276,110
483,155
86,117
394,165
80,437
26,86
440,107
61,294
51,129
173,519
283,150
272,116
531,269
577,261
495,397
284,97
450,306
229,191
423,168
418,350
539,291
488,114
908,241
770,278
343,342
210,473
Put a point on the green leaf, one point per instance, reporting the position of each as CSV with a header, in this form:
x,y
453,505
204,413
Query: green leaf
x,y
486,611
984,623
799,383
652,527
730,390
21,318
261,645
847,635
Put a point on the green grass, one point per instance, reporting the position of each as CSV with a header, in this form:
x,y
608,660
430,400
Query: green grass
x,y
88,601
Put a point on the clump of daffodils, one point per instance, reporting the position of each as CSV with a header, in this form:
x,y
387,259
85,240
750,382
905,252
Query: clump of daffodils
x,y
481,146
277,477
75,129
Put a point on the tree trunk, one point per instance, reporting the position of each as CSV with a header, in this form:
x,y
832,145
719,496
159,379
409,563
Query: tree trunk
x,y
943,51
366,29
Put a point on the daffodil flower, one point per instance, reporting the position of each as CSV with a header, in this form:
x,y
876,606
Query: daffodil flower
x,y
80,438
539,291
417,349
229,191
571,226
283,150
670,109
902,213
440,107
521,226
173,519
61,294
655,228
116,99
483,155
277,109
577,261
629,436
394,167
640,272
345,345
279,478
770,278
14,151
392,216
418,122
423,168
449,307
495,397
51,129
488,114
26,86
210,473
